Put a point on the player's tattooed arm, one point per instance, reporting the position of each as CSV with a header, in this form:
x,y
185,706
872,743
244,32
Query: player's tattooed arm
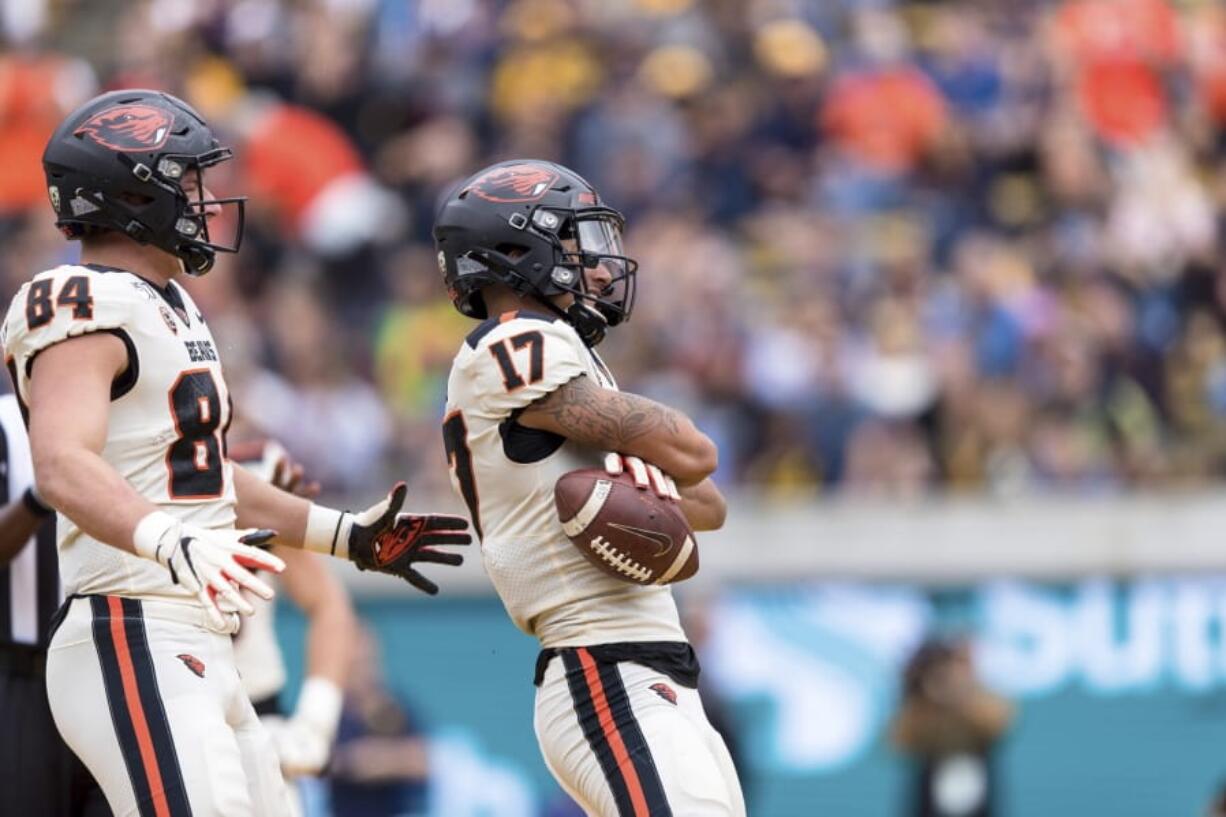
x,y
588,412
583,411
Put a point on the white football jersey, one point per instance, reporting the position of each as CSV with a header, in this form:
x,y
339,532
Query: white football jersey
x,y
169,409
506,473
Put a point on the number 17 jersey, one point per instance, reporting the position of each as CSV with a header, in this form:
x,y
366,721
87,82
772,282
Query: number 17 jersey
x,y
169,409
506,474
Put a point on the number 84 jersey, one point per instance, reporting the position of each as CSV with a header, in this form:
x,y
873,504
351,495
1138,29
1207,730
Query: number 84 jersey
x,y
168,415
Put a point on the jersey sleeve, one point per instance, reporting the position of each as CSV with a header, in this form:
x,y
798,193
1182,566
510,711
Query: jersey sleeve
x,y
59,304
518,362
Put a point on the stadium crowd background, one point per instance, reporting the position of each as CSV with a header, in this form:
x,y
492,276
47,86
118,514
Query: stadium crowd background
x,y
884,247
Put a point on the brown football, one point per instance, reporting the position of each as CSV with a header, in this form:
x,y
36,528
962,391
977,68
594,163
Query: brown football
x,y
629,533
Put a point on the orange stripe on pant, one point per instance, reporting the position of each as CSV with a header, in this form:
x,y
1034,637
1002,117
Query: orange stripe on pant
x,y
136,711
624,763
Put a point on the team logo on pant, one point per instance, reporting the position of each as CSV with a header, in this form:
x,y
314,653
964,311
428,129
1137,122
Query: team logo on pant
x,y
192,663
666,692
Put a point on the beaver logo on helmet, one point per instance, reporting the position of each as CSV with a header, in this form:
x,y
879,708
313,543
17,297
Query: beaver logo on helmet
x,y
514,184
129,128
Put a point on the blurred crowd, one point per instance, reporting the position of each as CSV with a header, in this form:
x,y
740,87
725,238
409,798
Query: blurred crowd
x,y
885,247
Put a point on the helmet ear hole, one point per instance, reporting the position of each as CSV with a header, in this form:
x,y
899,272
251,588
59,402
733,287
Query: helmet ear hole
x,y
512,251
135,199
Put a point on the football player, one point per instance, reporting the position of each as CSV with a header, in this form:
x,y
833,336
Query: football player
x,y
529,249
157,533
303,739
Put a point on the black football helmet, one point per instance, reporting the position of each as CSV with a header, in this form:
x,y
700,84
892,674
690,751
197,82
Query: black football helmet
x,y
118,162
535,227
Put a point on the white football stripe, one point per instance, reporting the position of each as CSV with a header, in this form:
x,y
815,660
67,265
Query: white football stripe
x,y
578,523
638,469
686,547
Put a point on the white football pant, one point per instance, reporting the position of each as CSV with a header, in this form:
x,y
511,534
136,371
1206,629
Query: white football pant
x,y
625,740
149,699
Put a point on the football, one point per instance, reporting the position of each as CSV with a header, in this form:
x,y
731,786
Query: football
x,y
627,532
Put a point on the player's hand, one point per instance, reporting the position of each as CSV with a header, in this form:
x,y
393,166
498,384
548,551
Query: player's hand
x,y
382,538
302,752
269,461
215,564
304,741
288,475
646,476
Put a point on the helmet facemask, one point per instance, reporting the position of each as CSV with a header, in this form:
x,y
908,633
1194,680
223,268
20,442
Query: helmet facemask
x,y
191,239
584,240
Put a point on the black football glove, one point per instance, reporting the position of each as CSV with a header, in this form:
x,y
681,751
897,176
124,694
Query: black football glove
x,y
383,539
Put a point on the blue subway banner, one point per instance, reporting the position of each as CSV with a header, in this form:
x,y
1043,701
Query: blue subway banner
x,y
1118,688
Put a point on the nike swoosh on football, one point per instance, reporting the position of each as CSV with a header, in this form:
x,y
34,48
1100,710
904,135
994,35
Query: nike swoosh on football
x,y
661,540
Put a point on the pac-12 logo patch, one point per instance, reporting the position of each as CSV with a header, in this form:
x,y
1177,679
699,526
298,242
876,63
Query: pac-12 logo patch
x,y
665,691
192,663
512,184
170,319
129,128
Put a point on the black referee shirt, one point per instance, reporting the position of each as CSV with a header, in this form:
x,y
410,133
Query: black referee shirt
x,y
30,583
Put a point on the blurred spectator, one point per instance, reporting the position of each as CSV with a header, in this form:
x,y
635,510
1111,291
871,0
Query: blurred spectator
x,y
314,181
885,119
36,91
313,401
380,763
1217,807
885,247
948,724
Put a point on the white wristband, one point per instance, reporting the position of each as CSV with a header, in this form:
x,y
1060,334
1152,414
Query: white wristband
x,y
327,531
319,705
149,532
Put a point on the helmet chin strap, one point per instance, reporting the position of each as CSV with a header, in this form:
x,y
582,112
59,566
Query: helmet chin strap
x,y
588,322
195,261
